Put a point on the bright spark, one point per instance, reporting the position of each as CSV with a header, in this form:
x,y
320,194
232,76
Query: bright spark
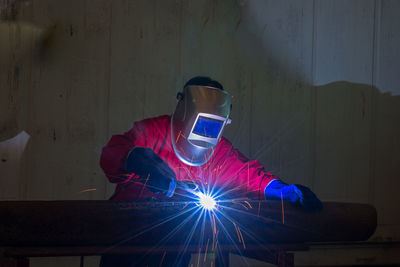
x,y
207,201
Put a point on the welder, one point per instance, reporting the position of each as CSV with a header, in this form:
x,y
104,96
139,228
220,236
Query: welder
x,y
157,154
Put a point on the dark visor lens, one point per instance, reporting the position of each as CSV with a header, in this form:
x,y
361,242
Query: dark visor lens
x,y
208,127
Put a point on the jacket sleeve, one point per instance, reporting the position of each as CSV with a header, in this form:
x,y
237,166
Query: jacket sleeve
x,y
239,174
115,152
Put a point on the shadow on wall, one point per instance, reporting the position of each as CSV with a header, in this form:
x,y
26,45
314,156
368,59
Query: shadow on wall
x,y
344,135
356,143
354,128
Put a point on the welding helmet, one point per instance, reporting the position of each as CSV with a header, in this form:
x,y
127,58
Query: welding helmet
x,y
197,124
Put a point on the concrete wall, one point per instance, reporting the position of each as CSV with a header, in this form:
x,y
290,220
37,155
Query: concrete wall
x,y
315,86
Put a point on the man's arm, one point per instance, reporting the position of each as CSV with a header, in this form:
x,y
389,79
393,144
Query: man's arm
x,y
131,157
115,152
294,193
237,173
240,173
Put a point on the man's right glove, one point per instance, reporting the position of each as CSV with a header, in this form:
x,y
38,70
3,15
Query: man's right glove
x,y
152,170
295,193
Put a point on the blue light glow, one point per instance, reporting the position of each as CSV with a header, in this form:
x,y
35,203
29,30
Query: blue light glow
x,y
207,201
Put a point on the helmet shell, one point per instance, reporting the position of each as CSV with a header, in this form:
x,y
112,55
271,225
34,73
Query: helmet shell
x,y
198,102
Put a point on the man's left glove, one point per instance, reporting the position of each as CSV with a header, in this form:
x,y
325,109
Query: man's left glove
x,y
295,193
152,170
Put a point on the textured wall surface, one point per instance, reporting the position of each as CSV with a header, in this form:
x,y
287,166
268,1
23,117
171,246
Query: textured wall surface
x,y
315,85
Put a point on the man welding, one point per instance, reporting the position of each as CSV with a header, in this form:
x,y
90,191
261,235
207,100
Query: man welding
x,y
160,155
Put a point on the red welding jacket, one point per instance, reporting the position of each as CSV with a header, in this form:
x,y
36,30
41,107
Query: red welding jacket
x,y
227,168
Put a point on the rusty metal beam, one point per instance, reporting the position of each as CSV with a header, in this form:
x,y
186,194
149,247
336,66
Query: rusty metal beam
x,y
108,223
61,251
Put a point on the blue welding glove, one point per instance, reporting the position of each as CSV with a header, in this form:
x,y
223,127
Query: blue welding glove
x,y
152,170
295,193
